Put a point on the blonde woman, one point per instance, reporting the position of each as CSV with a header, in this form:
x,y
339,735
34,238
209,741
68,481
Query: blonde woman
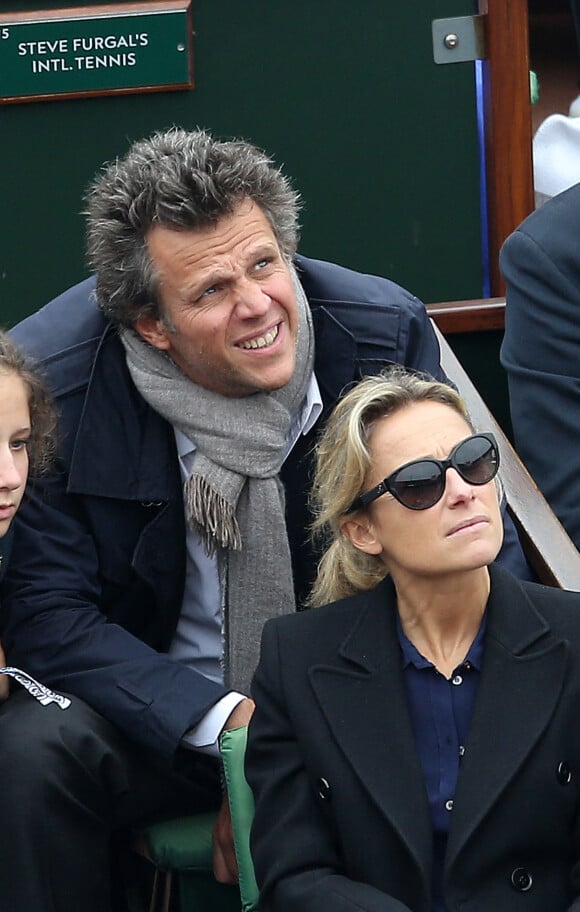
x,y
415,743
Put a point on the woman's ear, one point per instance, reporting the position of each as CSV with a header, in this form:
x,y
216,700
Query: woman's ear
x,y
359,529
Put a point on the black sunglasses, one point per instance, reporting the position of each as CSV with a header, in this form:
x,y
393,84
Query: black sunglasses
x,y
421,483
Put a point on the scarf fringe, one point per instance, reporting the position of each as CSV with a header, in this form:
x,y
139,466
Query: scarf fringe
x,y
214,517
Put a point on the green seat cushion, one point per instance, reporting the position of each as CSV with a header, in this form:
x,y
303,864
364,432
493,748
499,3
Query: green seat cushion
x,y
183,843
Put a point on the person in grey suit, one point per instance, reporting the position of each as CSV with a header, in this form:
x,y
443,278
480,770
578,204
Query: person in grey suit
x,y
414,745
540,262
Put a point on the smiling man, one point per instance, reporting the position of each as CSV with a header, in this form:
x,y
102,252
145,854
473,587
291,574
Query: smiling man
x,y
230,315
192,375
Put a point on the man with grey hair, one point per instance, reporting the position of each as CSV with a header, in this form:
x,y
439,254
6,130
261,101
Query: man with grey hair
x,y
191,378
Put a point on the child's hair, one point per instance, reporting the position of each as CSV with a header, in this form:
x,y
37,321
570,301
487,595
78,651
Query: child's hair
x,y
42,443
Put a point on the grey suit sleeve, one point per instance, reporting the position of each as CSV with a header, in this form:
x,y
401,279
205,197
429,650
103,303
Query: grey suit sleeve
x,y
295,849
541,354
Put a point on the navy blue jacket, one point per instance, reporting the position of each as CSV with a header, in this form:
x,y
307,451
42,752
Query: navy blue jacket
x,y
95,585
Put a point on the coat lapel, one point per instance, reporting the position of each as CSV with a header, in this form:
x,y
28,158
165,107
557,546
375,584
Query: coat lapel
x,y
363,699
521,681
123,448
335,356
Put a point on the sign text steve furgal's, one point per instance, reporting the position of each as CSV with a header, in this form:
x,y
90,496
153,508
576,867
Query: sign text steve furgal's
x,y
82,53
144,46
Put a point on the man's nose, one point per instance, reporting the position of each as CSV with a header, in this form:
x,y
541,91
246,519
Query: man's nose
x,y
251,299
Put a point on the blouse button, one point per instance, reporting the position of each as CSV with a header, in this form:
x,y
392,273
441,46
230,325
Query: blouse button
x,y
564,773
457,679
323,787
521,880
449,804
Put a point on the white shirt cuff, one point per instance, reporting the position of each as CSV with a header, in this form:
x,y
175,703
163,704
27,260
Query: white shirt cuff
x,y
204,737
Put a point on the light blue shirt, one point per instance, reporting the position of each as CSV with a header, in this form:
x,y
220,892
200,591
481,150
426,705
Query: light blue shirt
x,y
198,637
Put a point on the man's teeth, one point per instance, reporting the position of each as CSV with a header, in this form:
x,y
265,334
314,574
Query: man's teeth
x,y
261,341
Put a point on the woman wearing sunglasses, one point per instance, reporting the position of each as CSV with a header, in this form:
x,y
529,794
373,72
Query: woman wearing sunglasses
x,y
416,742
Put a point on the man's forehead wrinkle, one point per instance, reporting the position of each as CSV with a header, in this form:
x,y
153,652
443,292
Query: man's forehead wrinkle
x,y
217,264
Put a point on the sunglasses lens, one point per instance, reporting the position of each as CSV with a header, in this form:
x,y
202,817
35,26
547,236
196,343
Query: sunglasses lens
x,y
419,485
477,460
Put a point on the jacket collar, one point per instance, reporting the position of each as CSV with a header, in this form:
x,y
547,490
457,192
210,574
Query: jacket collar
x,y
513,623
523,674
363,698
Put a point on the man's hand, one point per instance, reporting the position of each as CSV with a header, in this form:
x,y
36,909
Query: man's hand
x,y
225,865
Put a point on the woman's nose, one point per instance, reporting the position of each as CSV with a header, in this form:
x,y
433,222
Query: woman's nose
x,y
10,474
456,487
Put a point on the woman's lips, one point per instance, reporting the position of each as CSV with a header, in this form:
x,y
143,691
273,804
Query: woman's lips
x,y
468,525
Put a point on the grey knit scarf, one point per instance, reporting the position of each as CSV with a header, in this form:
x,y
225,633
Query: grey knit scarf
x,y
233,497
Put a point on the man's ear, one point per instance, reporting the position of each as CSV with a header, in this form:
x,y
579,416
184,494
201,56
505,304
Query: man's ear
x,y
153,330
360,531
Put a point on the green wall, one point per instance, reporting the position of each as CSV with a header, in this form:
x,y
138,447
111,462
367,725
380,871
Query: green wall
x,y
380,141
479,353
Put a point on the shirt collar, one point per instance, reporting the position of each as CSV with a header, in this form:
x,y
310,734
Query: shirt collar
x,y
412,656
306,416
184,445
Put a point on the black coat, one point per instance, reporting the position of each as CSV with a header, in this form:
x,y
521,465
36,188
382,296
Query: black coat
x,y
5,551
342,821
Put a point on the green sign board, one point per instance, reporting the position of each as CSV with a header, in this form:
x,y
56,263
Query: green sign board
x,y
121,47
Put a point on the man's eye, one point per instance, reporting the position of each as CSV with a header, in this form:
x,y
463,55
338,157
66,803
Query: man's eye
x,y
261,264
209,291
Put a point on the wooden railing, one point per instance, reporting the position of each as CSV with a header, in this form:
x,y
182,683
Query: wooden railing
x,y
548,548
468,316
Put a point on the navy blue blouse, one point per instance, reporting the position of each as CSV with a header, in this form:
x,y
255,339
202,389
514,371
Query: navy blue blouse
x,y
441,710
